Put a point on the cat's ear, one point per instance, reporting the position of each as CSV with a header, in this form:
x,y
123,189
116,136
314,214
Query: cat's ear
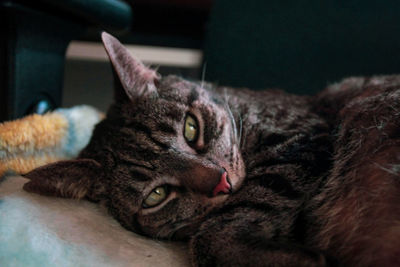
x,y
134,77
77,178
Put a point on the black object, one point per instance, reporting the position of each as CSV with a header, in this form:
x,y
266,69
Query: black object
x,y
172,23
34,38
301,46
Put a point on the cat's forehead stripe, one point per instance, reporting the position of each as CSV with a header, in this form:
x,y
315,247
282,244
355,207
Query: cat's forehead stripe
x,y
193,96
172,109
148,132
210,122
166,128
134,162
139,176
176,92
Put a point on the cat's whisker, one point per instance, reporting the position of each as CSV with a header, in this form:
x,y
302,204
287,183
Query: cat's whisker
x,y
234,127
244,139
167,231
240,129
177,228
203,74
163,232
232,118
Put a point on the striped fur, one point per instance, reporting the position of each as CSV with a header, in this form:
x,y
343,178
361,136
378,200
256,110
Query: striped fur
x,y
299,169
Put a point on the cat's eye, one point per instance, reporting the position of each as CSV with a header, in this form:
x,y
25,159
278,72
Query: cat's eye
x,y
158,195
191,129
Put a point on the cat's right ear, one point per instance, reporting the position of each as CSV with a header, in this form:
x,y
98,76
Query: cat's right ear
x,y
76,178
133,78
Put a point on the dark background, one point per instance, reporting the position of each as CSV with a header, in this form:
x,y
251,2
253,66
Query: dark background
x,y
299,46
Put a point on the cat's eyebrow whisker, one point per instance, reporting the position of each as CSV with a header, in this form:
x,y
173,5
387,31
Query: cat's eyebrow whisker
x,y
203,74
155,68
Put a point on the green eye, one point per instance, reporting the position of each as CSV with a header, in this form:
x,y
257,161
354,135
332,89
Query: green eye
x,y
158,195
191,129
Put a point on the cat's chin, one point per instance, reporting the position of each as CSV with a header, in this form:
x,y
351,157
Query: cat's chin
x,y
214,203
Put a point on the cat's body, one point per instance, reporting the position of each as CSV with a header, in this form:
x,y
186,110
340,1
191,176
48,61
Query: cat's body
x,y
249,178
356,216
281,144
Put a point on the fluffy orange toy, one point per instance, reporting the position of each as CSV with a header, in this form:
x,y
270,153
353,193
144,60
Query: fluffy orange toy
x,y
36,140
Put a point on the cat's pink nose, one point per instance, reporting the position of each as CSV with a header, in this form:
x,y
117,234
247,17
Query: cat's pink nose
x,y
223,186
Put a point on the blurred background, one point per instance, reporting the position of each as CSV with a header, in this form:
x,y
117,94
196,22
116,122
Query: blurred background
x,y
167,35
51,55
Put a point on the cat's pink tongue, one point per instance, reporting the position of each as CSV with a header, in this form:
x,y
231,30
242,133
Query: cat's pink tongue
x,y
223,186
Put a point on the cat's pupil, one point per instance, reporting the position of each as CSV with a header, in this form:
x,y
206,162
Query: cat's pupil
x,y
158,191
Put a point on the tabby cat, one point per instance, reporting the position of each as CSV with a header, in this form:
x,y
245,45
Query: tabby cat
x,y
247,178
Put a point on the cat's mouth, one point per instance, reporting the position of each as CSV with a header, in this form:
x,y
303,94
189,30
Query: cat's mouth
x,y
224,186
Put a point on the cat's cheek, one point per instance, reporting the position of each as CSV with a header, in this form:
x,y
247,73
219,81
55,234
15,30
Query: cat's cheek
x,y
237,181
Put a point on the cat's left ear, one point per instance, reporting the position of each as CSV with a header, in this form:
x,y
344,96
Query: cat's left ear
x,y
77,178
135,78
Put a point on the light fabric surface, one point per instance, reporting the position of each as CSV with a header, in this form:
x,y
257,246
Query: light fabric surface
x,y
46,231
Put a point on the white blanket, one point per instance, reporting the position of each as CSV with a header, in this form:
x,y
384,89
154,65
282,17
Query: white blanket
x,y
47,231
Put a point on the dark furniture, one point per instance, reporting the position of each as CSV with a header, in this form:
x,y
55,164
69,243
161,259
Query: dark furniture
x,y
166,23
295,45
34,38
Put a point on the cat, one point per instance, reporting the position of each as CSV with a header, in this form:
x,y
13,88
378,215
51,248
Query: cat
x,y
247,178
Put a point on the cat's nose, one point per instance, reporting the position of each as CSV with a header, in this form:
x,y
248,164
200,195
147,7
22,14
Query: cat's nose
x,y
207,179
224,185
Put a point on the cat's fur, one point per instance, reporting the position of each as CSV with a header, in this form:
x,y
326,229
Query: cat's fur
x,y
315,180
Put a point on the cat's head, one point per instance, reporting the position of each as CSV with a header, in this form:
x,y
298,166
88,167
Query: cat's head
x,y
164,157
